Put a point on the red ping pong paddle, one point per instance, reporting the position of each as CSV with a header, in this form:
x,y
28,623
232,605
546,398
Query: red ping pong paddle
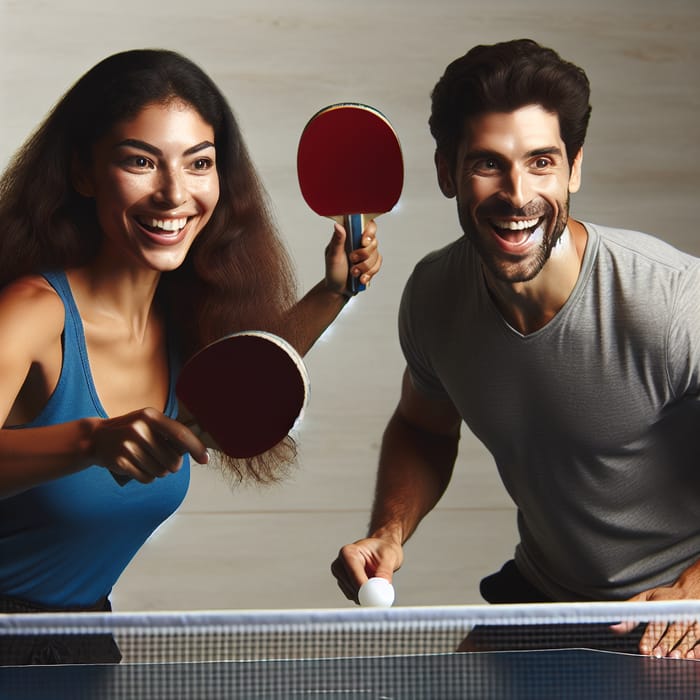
x,y
242,394
350,168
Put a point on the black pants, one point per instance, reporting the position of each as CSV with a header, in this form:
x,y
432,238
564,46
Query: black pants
x,y
26,650
509,586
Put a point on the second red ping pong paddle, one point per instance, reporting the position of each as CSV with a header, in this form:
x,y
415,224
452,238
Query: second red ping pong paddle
x,y
350,168
242,394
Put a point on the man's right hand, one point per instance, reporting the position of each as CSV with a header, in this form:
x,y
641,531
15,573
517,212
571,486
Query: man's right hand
x,y
361,560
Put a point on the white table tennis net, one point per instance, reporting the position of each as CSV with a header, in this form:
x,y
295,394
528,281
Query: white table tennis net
x,y
418,645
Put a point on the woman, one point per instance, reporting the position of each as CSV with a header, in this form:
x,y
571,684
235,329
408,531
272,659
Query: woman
x,y
135,231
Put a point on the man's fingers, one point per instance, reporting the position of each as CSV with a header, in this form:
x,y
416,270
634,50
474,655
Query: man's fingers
x,y
344,578
623,627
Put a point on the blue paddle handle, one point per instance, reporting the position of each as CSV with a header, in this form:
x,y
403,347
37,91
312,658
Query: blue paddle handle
x,y
354,226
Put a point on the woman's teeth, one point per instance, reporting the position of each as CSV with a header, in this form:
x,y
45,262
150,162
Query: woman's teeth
x,y
169,225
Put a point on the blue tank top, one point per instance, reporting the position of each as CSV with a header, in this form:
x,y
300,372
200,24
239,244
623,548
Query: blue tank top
x,y
65,543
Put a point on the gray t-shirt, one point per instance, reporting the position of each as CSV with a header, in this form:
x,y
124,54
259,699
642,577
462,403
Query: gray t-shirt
x,y
593,420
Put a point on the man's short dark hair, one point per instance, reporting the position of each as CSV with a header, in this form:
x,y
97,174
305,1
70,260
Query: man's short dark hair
x,y
502,78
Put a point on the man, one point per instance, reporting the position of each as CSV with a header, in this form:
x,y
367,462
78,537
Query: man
x,y
571,350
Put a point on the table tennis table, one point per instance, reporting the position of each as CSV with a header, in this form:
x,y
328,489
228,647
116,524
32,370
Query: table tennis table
x,y
537,675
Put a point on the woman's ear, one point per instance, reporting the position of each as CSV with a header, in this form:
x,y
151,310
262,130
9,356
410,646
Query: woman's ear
x,y
81,178
444,175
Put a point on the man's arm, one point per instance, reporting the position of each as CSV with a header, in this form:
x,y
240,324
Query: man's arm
x,y
417,457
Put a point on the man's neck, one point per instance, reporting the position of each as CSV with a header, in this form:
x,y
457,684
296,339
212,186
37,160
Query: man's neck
x,y
529,306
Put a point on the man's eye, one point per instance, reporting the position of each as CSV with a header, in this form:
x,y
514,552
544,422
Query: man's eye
x,y
542,163
486,165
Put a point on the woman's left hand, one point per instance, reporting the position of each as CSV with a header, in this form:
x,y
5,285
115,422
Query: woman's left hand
x,y
363,263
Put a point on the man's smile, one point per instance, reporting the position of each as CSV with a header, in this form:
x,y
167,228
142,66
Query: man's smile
x,y
515,231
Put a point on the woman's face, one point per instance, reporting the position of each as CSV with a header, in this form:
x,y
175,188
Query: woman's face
x,y
155,185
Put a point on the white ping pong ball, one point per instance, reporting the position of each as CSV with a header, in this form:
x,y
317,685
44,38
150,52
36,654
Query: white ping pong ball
x,y
376,593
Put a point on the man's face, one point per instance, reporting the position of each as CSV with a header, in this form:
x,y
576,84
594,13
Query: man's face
x,y
512,183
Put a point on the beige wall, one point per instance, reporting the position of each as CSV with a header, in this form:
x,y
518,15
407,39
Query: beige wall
x,y
278,61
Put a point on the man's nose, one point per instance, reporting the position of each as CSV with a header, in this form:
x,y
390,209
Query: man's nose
x,y
516,188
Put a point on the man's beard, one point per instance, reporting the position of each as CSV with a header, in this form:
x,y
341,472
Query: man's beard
x,y
517,271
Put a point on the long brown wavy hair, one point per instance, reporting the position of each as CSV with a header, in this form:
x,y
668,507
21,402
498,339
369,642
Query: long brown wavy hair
x,y
237,275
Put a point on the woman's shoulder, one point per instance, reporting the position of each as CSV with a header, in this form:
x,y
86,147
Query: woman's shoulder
x,y
31,303
30,290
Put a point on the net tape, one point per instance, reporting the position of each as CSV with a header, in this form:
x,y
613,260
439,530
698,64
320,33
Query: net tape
x,y
282,634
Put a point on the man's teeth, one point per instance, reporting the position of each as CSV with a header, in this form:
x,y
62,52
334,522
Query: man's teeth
x,y
510,225
167,224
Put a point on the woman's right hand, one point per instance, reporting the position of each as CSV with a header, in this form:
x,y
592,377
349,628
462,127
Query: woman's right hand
x,y
143,445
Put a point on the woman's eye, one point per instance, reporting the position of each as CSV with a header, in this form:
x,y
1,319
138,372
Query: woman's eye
x,y
203,164
140,162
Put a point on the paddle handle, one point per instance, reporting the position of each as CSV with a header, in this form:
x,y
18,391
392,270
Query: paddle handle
x,y
354,226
